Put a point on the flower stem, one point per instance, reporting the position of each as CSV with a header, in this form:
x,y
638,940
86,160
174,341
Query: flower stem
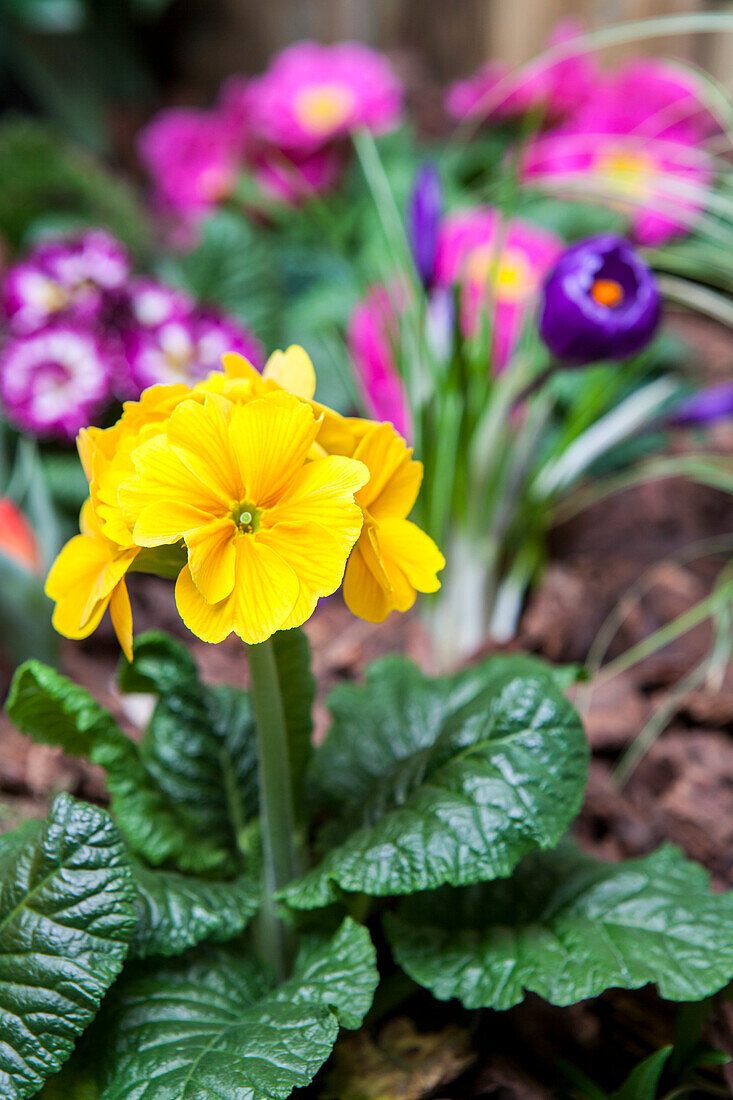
x,y
276,803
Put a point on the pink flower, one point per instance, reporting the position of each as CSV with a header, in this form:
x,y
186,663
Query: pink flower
x,y
192,157
290,179
70,277
314,94
553,87
639,140
54,381
500,268
185,348
373,335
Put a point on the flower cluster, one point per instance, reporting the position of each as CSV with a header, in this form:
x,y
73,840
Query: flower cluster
x,y
256,498
80,330
285,127
498,268
634,136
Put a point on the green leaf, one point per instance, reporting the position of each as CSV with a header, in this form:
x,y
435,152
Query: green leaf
x,y
232,267
73,1082
643,1081
167,793
66,917
176,911
213,1026
25,612
42,173
450,780
567,926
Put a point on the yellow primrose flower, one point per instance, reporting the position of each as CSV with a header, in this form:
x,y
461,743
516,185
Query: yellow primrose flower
x,y
89,574
393,559
87,577
267,531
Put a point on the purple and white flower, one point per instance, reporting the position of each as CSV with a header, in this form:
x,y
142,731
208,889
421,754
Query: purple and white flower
x,y
71,278
185,348
54,381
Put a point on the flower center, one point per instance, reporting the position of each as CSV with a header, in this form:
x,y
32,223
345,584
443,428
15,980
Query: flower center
x,y
322,108
629,174
246,517
607,292
510,275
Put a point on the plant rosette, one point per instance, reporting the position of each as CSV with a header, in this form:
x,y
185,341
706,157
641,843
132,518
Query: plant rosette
x,y
210,933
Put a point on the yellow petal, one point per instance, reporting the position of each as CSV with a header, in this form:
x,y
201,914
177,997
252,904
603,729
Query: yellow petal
x,y
392,475
165,497
271,438
293,370
121,615
340,435
72,579
212,622
316,557
264,594
322,492
211,558
404,545
200,435
236,366
363,594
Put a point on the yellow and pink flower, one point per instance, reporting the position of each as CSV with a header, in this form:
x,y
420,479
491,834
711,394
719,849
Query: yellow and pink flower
x,y
499,267
638,142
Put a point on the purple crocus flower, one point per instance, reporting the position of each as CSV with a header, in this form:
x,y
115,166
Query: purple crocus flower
x,y
71,277
186,347
706,407
600,301
54,381
424,210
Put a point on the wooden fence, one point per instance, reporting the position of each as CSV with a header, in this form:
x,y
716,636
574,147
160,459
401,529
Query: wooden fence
x,y
447,37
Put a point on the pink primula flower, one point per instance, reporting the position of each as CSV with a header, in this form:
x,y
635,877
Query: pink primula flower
x,y
373,336
192,158
314,94
553,87
499,267
639,142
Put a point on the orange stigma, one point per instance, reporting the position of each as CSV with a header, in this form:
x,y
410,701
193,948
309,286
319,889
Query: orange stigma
x,y
607,292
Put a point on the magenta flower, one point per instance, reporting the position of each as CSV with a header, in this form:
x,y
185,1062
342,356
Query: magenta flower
x,y
185,348
69,277
500,269
148,303
192,158
292,180
373,337
54,381
551,87
638,142
313,94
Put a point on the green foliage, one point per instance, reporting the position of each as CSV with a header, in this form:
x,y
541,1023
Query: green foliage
x,y
213,1025
25,612
175,912
232,267
43,176
450,780
567,926
66,917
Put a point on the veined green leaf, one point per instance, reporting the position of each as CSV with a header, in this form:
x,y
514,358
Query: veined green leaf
x,y
212,1025
567,926
450,780
66,918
